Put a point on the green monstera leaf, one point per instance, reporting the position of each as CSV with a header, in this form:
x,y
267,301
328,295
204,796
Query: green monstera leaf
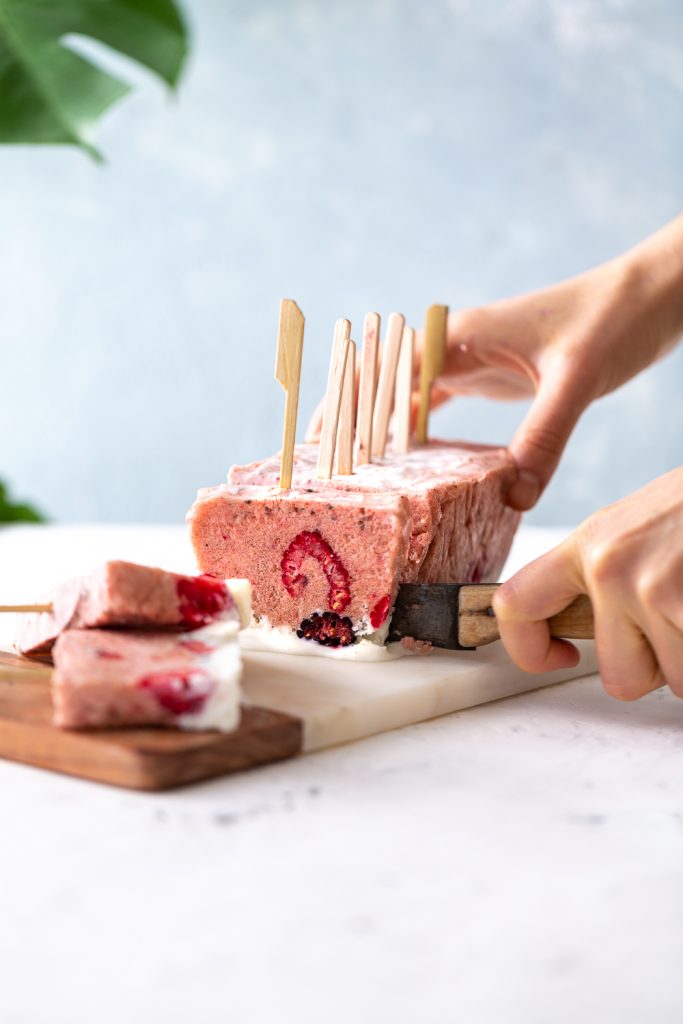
x,y
51,94
16,511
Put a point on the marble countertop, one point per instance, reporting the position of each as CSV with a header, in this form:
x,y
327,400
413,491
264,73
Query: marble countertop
x,y
516,862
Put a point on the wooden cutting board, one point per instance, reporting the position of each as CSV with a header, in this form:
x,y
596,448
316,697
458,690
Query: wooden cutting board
x,y
294,705
136,758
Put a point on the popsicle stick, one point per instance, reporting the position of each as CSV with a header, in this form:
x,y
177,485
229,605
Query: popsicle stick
x,y
433,354
290,343
25,608
367,388
404,392
386,384
335,382
347,416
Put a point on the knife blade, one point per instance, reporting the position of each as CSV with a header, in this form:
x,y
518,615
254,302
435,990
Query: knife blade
x,y
460,616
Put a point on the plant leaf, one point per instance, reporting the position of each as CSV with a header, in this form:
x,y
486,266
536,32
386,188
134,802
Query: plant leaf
x,y
48,93
16,512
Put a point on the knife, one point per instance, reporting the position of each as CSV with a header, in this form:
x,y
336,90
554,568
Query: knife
x,y
460,617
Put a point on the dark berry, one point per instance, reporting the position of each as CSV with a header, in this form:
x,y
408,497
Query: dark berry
x,y
328,629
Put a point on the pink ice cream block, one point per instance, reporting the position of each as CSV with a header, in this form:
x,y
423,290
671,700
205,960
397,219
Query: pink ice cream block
x,y
450,486
122,594
436,514
114,678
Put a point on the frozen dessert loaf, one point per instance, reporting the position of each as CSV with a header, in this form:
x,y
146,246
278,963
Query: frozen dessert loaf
x,y
321,563
111,678
123,594
325,558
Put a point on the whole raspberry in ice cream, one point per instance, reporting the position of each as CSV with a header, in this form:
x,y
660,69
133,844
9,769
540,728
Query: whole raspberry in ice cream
x,y
181,693
202,599
311,544
380,611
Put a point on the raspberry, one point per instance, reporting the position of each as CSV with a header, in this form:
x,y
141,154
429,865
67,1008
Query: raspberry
x,y
380,611
328,629
102,652
202,599
181,693
310,544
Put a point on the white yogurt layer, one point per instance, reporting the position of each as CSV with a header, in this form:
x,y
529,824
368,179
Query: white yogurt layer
x,y
282,640
224,667
241,592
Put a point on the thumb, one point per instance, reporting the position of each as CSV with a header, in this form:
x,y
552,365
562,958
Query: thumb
x,y
541,439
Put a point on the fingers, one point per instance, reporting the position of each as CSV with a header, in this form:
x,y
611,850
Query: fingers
x,y
628,666
439,395
531,647
541,439
667,641
524,603
315,423
639,648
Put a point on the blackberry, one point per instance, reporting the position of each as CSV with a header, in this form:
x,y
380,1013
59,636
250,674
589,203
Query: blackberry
x,y
328,629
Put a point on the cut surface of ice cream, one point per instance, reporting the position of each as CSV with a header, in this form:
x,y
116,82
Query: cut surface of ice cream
x,y
126,595
326,557
114,678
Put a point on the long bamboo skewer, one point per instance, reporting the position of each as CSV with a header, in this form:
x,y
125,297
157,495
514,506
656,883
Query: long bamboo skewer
x,y
25,608
335,382
367,388
386,384
290,342
433,356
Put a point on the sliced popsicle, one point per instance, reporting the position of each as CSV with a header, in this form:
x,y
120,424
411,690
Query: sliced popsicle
x,y
114,678
126,595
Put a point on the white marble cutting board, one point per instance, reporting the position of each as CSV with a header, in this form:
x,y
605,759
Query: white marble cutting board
x,y
339,701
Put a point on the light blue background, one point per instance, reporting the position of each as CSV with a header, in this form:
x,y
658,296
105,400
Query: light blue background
x,y
364,154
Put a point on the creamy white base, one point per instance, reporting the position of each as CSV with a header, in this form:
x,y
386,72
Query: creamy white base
x,y
282,640
224,666
241,592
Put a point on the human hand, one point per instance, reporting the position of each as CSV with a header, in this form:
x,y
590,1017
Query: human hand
x,y
565,346
628,558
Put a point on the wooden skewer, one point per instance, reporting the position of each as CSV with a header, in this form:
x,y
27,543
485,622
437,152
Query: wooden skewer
x,y
433,355
347,416
367,388
25,608
404,392
385,386
290,343
335,382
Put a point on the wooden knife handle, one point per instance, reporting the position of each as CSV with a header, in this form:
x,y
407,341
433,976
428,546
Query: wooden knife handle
x,y
478,625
